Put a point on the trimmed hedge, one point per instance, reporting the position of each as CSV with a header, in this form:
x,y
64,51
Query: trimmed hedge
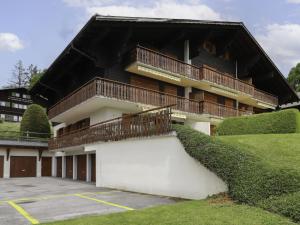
x,y
35,120
285,121
248,178
286,205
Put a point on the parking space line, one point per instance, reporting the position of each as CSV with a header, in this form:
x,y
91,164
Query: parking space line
x,y
47,197
104,202
23,212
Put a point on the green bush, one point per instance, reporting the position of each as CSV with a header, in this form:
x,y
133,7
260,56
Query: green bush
x,y
35,122
285,121
287,205
249,179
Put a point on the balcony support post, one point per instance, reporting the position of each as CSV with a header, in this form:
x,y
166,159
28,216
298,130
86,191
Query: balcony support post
x,y
187,52
63,166
88,168
54,163
74,167
187,91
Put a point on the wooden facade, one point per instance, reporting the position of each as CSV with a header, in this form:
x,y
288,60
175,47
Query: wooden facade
x,y
13,103
206,70
134,125
136,94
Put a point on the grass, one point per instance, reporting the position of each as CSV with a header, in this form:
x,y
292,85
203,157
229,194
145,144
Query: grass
x,y
277,150
9,129
205,212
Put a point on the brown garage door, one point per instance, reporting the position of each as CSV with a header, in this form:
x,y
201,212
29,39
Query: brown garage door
x,y
81,167
93,169
22,166
46,166
1,166
59,166
69,167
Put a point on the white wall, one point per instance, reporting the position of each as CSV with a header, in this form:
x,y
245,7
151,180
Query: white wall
x,y
57,127
105,114
157,165
203,127
22,152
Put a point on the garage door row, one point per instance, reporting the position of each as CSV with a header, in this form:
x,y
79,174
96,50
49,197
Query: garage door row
x,y
79,167
26,166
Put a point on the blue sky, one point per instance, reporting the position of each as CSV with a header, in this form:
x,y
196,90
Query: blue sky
x,y
36,31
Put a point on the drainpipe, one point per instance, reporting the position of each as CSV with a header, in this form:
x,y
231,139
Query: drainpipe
x,y
236,76
186,53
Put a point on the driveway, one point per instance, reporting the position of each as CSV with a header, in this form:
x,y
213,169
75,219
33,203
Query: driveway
x,y
37,200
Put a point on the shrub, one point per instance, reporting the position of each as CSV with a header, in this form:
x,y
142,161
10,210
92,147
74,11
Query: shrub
x,y
249,180
285,121
287,205
36,121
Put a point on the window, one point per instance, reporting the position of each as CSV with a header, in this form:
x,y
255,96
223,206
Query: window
x,y
26,96
20,118
221,100
2,116
209,47
15,94
5,104
9,118
15,118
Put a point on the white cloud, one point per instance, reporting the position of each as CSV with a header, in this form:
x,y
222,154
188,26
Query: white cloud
x,y
282,43
188,9
10,42
294,1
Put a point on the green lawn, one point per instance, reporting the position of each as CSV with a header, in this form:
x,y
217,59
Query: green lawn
x,y
208,212
9,129
277,150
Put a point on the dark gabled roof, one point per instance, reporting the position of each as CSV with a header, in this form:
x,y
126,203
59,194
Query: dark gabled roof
x,y
13,88
163,20
113,20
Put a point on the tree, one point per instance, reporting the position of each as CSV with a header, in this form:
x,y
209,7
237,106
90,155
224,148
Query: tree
x,y
35,120
25,77
294,77
19,75
35,77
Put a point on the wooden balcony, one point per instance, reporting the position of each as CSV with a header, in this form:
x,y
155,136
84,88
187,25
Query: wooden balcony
x,y
121,91
171,65
265,97
142,124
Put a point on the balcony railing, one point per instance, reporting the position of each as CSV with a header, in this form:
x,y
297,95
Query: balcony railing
x,y
126,92
265,97
148,123
158,60
24,136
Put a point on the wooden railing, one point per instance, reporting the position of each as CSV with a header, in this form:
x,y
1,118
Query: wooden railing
x,y
265,97
131,93
164,62
148,123
225,80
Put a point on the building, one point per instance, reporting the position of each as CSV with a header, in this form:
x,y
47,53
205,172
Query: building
x,y
118,66
13,103
24,157
295,105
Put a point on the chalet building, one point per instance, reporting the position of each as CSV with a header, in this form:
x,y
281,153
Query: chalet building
x,y
13,103
122,67
292,105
